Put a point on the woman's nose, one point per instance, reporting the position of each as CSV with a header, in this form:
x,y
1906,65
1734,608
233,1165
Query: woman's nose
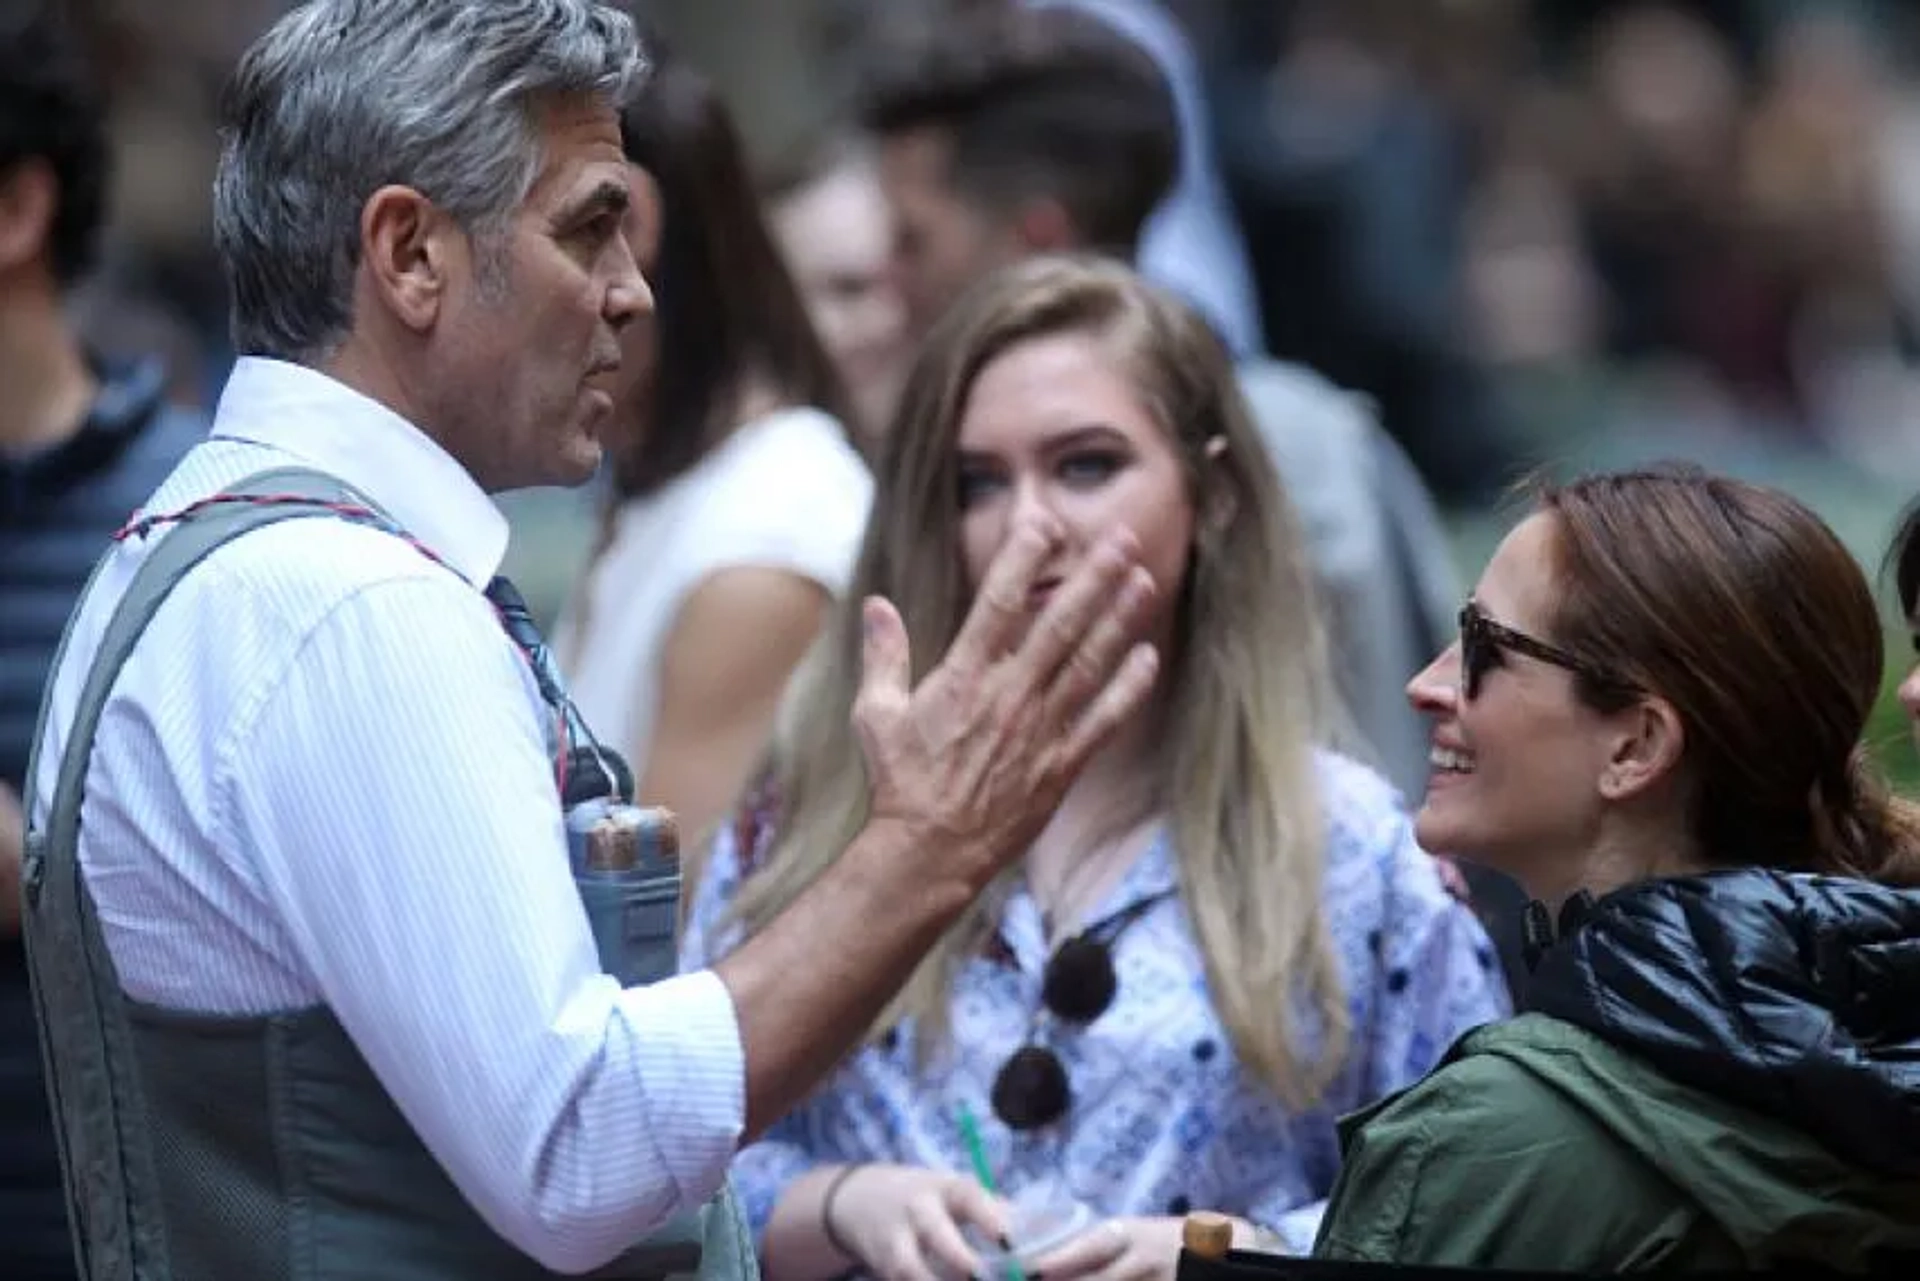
x,y
1031,501
1435,688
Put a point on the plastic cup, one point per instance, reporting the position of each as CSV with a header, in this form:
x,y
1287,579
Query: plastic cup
x,y
1042,1218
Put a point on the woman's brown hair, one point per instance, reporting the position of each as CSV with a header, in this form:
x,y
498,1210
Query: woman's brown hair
x,y
1739,606
726,310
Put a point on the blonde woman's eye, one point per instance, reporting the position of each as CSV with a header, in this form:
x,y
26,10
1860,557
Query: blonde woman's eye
x,y
973,486
1091,468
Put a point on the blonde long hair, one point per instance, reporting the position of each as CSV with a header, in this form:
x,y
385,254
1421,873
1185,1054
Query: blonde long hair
x,y
1246,693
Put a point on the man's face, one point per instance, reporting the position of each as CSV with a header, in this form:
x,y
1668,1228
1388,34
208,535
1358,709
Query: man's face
x,y
533,326
941,241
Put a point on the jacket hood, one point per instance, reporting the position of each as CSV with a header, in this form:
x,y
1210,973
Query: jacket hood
x,y
1793,995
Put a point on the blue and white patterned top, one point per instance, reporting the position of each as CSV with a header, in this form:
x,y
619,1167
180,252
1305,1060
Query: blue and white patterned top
x,y
1165,1118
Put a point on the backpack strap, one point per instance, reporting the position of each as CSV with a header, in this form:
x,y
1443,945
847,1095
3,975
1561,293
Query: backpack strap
x,y
92,1077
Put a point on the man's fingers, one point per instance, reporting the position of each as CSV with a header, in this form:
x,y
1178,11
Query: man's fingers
x,y
1124,695
1088,594
999,610
1091,665
886,662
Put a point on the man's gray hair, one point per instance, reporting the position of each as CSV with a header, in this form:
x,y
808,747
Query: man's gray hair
x,y
343,97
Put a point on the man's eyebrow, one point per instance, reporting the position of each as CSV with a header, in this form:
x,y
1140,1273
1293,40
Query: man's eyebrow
x,y
606,197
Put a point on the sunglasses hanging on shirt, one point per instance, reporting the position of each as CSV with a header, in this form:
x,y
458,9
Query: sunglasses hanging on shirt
x,y
1031,1089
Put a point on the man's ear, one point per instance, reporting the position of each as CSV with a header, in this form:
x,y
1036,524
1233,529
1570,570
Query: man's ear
x,y
29,194
1645,750
408,248
1044,226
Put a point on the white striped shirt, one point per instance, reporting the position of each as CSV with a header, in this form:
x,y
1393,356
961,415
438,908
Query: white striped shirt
x,y
322,778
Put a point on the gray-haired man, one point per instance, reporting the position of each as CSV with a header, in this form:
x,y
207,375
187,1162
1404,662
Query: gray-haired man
x,y
318,992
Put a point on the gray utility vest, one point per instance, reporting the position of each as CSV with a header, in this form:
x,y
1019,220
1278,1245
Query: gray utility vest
x,y
200,1148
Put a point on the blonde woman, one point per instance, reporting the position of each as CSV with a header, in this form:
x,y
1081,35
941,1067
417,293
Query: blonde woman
x,y
1225,938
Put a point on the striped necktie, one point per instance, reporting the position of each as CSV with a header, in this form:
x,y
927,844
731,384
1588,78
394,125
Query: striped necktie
x,y
517,620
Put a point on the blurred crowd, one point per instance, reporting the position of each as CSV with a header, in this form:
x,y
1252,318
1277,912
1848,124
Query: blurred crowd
x,y
1689,220
1525,229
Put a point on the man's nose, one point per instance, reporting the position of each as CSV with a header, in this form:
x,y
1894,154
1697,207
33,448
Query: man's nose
x,y
629,296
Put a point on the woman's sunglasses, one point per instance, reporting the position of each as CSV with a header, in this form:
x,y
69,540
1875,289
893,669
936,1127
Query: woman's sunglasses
x,y
1031,1089
1484,645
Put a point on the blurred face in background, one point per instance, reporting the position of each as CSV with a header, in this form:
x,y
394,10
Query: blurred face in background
x,y
941,242
837,236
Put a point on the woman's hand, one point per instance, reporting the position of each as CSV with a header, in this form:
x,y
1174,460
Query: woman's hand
x,y
1121,1250
904,1223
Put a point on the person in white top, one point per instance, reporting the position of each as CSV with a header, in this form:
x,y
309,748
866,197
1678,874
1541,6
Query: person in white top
x,y
322,780
738,498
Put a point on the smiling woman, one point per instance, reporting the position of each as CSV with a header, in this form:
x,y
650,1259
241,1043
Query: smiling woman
x,y
1652,721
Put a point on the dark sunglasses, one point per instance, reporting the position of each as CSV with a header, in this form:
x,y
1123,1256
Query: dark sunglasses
x,y
1031,1089
1484,645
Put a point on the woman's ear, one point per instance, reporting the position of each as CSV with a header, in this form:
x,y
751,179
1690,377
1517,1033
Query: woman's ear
x,y
1219,504
1645,750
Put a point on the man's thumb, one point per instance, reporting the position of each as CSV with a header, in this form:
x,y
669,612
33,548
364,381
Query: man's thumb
x,y
886,668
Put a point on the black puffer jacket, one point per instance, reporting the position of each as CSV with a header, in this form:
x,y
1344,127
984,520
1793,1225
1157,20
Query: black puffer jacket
x,y
1718,1072
1795,995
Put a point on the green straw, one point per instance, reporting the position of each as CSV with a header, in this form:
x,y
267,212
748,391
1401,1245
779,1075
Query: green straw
x,y
977,1151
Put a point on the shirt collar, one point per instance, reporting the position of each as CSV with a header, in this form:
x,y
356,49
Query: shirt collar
x,y
328,425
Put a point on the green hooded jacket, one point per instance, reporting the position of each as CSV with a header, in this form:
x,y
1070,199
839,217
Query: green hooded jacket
x,y
1722,1073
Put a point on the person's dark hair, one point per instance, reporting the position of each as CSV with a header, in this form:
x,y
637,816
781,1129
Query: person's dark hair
x,y
1903,560
1036,102
1739,606
726,309
52,109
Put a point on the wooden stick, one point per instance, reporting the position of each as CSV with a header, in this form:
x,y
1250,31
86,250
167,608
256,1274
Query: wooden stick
x,y
1207,1235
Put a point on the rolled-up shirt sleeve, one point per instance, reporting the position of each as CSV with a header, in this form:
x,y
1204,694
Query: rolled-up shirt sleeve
x,y
395,794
